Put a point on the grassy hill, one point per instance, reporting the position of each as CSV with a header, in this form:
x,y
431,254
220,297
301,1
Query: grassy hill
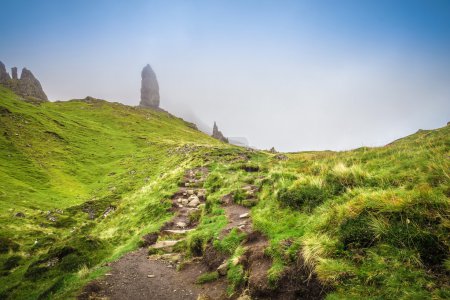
x,y
82,181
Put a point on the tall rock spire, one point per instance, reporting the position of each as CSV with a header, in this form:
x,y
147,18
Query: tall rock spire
x,y
4,76
217,134
149,88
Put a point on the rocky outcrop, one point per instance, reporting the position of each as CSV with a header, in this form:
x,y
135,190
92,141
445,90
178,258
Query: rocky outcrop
x,y
149,88
4,76
217,134
27,86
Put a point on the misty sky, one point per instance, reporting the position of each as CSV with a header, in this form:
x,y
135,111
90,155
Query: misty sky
x,y
297,75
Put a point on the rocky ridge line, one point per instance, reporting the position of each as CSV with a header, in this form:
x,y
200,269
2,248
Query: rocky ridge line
x,y
27,86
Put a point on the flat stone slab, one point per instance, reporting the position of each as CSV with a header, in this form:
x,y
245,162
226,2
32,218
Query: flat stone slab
x,y
178,231
243,216
164,244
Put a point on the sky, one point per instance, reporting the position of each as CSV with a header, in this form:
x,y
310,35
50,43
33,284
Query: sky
x,y
295,75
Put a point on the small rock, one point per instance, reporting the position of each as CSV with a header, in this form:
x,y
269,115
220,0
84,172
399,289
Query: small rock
x,y
19,215
181,224
193,201
190,192
244,297
149,239
201,194
243,216
184,201
227,199
108,211
192,197
179,200
223,268
151,276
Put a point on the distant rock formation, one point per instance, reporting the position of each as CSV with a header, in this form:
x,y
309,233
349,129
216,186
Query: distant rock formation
x,y
149,88
30,86
27,86
14,73
217,134
4,76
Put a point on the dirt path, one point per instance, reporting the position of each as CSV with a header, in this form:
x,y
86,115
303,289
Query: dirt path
x,y
138,275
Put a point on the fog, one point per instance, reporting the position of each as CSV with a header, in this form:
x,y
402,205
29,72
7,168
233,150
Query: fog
x,y
295,76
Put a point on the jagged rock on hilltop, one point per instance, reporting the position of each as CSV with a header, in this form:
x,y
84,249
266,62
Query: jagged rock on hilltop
x,y
217,134
30,86
4,76
149,88
27,86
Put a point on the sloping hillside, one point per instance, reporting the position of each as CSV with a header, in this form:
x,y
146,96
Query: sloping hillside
x,y
65,165
82,181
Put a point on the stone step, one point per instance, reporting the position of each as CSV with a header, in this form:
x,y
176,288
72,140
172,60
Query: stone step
x,y
177,231
164,244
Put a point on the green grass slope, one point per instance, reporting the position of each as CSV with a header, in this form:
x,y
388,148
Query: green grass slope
x,y
63,165
81,182
371,223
